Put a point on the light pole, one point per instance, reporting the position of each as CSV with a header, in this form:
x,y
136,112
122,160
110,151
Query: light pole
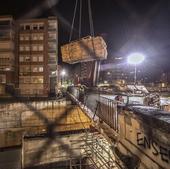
x,y
135,59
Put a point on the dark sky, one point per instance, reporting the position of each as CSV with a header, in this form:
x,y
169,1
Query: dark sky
x,y
127,25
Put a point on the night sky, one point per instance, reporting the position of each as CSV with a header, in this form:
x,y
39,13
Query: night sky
x,y
126,25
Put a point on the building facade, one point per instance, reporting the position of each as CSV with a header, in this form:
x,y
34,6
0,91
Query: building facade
x,y
114,70
36,61
7,55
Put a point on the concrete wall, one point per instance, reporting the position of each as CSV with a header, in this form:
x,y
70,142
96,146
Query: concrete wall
x,y
138,138
43,151
38,118
10,158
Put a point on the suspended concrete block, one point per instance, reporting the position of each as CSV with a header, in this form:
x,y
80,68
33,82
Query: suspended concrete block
x,y
85,49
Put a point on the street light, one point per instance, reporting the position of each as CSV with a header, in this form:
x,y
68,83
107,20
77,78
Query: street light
x,y
135,59
63,73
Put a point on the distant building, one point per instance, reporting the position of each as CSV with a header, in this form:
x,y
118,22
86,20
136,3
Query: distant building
x,y
36,61
115,70
7,55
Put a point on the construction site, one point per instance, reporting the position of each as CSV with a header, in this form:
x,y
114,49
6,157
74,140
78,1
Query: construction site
x,y
48,123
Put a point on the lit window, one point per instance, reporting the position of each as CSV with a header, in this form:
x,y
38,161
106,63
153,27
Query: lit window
x,y
40,69
27,37
34,48
40,58
21,38
27,48
21,58
34,59
37,79
52,36
40,80
27,58
41,37
52,25
52,46
41,47
21,48
35,69
2,79
34,37
26,68
27,80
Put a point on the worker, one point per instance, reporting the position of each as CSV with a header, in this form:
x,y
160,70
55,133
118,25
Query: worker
x,y
119,99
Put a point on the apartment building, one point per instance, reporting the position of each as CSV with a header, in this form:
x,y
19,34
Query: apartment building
x,y
7,55
36,61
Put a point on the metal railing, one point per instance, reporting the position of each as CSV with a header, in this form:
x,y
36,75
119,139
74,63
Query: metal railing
x,y
107,112
99,152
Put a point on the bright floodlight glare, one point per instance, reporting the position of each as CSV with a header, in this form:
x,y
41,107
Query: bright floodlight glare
x,y
63,73
135,58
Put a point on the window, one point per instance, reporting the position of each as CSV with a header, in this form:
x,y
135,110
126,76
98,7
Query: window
x,y
41,37
27,69
35,48
27,80
41,47
24,69
21,48
41,26
34,37
51,55
41,69
21,58
21,38
37,79
37,68
27,48
27,58
52,46
52,25
34,59
24,58
37,58
2,79
27,27
52,36
40,58
27,37
35,27
34,69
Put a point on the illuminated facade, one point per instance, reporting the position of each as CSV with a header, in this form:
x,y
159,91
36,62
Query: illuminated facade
x,y
37,56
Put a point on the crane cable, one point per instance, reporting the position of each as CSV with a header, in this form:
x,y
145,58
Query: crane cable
x,y
90,19
80,19
72,25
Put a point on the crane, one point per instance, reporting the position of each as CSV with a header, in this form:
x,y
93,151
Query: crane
x,y
88,51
